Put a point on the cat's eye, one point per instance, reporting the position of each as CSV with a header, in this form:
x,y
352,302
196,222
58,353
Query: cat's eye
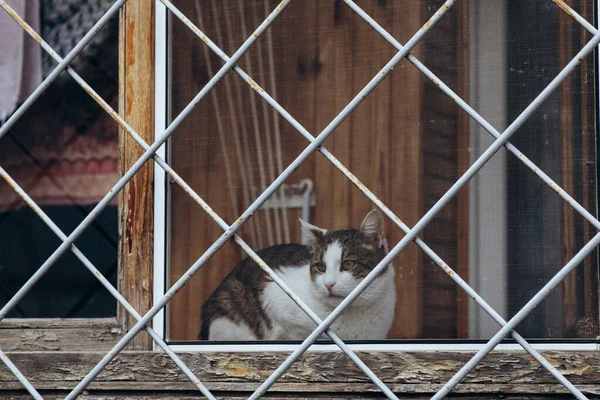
x,y
348,265
320,267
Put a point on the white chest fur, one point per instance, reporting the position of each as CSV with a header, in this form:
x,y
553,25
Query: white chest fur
x,y
369,317
340,260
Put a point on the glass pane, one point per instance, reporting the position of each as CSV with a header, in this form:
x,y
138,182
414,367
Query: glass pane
x,y
64,153
506,233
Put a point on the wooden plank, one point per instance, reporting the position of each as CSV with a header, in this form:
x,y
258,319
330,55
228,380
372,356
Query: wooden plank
x,y
445,157
371,122
299,72
590,180
578,178
405,186
334,88
315,371
136,105
463,155
56,334
568,237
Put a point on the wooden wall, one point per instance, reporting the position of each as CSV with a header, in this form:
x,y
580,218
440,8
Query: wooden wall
x,y
578,165
445,148
323,54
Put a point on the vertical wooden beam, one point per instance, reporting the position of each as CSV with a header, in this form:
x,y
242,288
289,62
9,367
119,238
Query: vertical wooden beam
x,y
333,88
405,189
463,159
590,182
566,109
136,105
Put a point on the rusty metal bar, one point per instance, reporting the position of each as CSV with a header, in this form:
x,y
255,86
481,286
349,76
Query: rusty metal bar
x,y
573,14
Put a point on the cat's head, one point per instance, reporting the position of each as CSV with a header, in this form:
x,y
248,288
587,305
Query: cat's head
x,y
341,259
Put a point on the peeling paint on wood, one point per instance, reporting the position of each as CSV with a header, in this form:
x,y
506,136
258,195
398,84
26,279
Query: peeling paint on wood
x,y
500,374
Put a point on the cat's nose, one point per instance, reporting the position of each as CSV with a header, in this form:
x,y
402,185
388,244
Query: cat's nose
x,y
329,285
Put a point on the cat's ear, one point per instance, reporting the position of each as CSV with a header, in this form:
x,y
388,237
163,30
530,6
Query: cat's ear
x,y
372,226
314,232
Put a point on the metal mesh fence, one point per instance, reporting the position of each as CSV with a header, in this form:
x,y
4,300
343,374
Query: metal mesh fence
x,y
315,144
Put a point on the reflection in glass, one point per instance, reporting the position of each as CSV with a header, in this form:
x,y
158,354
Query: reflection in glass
x,y
64,153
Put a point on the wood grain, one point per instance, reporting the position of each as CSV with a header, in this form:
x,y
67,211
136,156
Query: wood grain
x,y
56,334
136,105
577,165
404,189
445,157
319,373
589,176
568,235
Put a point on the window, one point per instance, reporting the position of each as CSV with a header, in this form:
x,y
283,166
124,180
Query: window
x,y
507,233
476,232
64,153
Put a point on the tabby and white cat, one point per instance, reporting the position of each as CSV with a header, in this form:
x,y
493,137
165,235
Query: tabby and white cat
x,y
248,305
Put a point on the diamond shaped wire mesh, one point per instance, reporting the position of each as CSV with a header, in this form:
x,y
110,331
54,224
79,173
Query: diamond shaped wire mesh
x,y
315,145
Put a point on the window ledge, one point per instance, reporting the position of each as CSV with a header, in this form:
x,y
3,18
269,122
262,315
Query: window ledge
x,y
510,373
59,334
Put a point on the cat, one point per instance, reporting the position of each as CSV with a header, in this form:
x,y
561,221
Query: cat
x,y
248,305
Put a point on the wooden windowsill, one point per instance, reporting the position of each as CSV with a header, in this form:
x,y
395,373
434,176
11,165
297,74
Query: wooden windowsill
x,y
145,374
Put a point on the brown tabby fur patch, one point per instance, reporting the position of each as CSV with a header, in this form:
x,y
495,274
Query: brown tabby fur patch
x,y
239,296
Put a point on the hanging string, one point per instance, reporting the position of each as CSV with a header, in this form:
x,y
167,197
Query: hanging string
x,y
247,163
259,151
278,151
265,108
243,164
220,129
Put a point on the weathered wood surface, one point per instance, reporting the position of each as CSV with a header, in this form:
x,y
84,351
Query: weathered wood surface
x,y
136,105
506,372
57,334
